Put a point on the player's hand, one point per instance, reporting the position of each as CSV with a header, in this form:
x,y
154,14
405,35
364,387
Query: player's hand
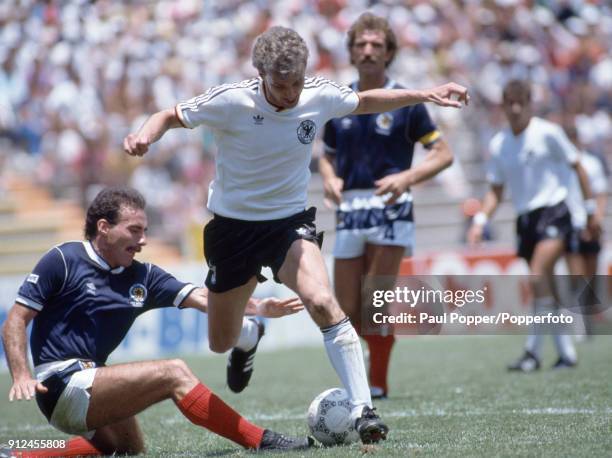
x,y
449,95
333,191
135,145
25,389
395,185
273,307
474,235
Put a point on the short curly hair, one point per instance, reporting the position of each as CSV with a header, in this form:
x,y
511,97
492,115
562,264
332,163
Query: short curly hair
x,y
369,21
107,205
280,50
521,88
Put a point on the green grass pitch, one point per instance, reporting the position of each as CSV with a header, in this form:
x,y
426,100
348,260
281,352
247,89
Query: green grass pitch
x,y
450,396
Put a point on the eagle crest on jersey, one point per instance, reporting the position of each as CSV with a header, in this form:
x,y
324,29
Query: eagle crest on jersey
x,y
306,131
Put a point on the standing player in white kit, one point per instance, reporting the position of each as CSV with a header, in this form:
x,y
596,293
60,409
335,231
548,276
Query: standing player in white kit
x,y
264,129
537,161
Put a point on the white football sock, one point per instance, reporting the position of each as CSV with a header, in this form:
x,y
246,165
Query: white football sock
x,y
541,306
578,308
563,342
534,344
248,334
565,347
344,352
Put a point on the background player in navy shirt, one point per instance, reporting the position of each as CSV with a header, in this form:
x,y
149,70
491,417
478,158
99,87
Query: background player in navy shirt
x,y
82,298
367,172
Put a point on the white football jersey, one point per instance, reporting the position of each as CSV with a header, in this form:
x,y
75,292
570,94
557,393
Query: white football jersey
x,y
262,165
597,181
535,165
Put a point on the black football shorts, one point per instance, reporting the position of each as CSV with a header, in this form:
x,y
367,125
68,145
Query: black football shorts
x,y
540,224
236,250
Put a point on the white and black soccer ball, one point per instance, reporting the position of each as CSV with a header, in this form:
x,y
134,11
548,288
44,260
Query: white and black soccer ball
x,y
329,418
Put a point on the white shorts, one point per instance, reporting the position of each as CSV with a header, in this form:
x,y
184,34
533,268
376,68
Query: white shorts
x,y
70,413
364,218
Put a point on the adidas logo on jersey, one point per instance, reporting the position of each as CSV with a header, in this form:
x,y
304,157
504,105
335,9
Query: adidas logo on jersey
x,y
258,119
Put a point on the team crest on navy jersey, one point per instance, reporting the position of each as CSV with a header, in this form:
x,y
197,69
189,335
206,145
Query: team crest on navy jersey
x,y
384,122
306,131
138,294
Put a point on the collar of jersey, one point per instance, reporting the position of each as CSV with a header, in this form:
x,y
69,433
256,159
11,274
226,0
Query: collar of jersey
x,y
95,257
271,107
389,83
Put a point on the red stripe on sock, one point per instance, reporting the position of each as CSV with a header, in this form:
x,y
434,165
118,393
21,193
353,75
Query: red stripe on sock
x,y
380,354
202,407
77,446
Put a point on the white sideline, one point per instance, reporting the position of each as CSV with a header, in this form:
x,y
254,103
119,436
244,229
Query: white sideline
x,y
294,416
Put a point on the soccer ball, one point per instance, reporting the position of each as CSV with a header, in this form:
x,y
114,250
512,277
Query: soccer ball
x,y
329,418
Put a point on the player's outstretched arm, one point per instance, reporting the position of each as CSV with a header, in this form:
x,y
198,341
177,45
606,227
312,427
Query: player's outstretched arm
x,y
152,130
270,307
489,205
273,307
382,100
15,348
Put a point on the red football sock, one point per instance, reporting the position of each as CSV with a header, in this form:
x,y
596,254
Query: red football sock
x,y
380,354
202,407
77,446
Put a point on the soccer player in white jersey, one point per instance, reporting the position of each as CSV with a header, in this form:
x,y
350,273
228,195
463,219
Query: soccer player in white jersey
x,y
264,129
535,159
584,246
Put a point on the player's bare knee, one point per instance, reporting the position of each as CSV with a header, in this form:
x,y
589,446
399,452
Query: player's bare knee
x,y
178,373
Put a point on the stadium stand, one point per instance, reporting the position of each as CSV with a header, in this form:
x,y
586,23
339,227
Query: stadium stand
x,y
32,221
75,76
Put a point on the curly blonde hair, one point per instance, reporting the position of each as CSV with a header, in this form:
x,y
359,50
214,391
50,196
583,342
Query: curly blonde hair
x,y
280,50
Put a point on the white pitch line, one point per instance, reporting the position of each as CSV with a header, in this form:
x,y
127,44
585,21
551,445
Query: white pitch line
x,y
27,427
294,416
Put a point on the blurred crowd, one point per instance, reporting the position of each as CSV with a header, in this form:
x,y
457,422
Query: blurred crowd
x,y
76,77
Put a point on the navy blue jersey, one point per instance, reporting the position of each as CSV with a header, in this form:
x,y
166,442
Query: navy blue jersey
x,y
371,146
85,307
